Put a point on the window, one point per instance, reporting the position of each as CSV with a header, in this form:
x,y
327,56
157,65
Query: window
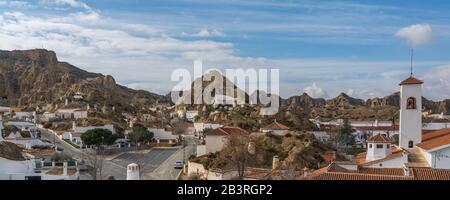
x,y
379,146
370,145
410,144
411,103
388,146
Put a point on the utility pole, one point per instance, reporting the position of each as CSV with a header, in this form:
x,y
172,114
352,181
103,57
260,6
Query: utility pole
x,y
184,150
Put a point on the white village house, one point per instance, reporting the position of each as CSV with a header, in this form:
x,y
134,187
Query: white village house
x,y
74,135
17,165
190,115
160,134
275,128
217,138
71,113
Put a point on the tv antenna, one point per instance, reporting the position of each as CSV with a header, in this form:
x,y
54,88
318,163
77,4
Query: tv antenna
x,y
411,69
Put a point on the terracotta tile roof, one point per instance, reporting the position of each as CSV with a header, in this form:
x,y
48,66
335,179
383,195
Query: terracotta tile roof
x,y
257,173
435,139
335,172
434,134
379,138
327,157
276,126
410,81
376,128
228,131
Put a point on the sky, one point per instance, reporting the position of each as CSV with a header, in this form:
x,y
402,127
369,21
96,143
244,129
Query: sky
x,y
323,48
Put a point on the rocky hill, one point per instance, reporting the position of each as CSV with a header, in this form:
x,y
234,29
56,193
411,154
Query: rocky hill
x,y
33,78
303,101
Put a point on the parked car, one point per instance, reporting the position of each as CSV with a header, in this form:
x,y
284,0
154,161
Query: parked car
x,y
179,164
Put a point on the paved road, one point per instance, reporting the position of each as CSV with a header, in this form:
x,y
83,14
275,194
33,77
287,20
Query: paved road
x,y
109,168
166,170
148,160
158,163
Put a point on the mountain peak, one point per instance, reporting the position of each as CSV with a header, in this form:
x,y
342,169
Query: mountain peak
x,y
40,56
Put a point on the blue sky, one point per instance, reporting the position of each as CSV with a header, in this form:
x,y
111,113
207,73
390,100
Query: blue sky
x,y
321,47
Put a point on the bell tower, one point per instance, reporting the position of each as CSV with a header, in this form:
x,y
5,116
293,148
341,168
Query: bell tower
x,y
410,112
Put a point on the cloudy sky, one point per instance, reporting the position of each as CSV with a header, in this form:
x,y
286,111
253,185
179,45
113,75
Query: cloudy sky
x,y
321,47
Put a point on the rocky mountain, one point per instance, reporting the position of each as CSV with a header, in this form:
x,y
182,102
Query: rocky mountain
x,y
343,100
303,101
33,78
208,84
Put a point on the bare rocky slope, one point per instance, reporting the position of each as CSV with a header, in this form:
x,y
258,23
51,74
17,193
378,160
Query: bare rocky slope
x,y
33,78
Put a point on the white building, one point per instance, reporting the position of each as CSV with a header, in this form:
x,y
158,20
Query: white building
x,y
191,114
410,113
23,115
417,148
199,127
322,136
23,125
25,167
71,113
161,134
217,138
275,128
73,137
82,129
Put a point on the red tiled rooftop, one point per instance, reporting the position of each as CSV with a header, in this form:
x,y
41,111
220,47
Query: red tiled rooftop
x,y
411,81
376,128
335,172
276,126
380,138
435,139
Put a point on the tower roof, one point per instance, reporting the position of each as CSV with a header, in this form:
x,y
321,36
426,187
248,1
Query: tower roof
x,y
380,138
411,81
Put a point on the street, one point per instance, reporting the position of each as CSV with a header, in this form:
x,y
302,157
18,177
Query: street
x,y
156,163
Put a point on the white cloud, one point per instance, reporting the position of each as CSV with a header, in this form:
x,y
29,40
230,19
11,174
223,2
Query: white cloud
x,y
350,92
207,33
437,82
16,4
416,34
315,91
143,56
95,43
71,3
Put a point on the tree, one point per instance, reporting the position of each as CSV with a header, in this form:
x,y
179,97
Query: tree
x,y
140,134
197,118
345,133
98,137
236,152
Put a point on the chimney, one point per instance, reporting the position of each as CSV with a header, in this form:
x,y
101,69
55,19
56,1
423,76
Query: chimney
x,y
251,148
275,163
27,145
133,171
305,172
405,171
65,168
